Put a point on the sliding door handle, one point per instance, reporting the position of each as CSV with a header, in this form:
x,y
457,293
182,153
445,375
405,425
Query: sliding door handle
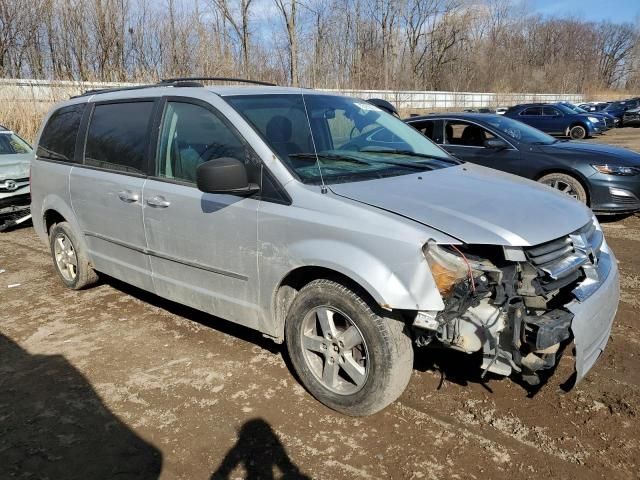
x,y
128,196
158,202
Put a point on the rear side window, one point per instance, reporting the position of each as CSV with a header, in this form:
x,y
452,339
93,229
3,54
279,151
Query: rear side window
x,y
532,111
118,136
58,139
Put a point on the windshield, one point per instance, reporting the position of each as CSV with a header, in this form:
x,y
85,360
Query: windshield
x,y
338,139
520,131
565,108
575,108
11,144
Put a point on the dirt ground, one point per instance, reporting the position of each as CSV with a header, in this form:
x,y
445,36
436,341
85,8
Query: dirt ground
x,y
113,382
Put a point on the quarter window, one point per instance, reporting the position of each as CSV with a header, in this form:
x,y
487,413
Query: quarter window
x,y
192,135
118,136
58,139
532,111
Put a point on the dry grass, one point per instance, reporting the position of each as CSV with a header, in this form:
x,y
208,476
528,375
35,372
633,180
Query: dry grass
x,y
23,117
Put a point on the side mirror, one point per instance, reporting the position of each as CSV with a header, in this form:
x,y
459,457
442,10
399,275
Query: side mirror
x,y
496,144
224,175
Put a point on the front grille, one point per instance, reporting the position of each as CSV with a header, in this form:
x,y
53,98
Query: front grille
x,y
18,183
559,262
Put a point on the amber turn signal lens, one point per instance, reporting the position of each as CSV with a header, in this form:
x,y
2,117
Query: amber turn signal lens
x,y
445,279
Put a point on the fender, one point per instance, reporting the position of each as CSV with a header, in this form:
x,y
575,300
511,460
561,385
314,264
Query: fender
x,y
394,279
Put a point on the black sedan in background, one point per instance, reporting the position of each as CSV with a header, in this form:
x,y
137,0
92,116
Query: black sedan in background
x,y
604,177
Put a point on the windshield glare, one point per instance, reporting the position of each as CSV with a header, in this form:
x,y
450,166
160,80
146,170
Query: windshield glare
x,y
338,139
11,144
520,131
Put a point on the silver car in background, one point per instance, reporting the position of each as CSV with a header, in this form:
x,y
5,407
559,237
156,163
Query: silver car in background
x,y
15,160
324,223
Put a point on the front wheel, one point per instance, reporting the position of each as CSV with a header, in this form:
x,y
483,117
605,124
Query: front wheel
x,y
578,132
348,357
566,184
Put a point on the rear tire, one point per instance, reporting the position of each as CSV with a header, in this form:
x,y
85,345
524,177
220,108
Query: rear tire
x,y
578,132
346,355
69,258
566,184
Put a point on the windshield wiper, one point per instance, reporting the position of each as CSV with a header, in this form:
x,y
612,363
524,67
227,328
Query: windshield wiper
x,y
326,156
409,153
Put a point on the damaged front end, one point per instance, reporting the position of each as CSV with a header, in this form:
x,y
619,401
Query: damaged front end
x,y
521,306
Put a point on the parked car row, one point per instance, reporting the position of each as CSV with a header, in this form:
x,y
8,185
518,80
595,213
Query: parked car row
x,y
337,229
626,111
604,177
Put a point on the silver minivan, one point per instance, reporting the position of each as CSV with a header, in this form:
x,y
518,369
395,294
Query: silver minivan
x,y
325,223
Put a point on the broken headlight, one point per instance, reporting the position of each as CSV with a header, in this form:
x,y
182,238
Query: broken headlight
x,y
449,266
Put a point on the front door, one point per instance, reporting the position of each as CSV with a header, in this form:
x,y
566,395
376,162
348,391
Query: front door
x,y
202,246
106,191
465,140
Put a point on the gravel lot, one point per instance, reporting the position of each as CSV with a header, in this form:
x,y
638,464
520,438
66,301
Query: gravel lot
x,y
113,382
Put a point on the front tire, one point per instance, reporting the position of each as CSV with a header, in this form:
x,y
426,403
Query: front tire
x,y
566,184
578,132
348,357
69,258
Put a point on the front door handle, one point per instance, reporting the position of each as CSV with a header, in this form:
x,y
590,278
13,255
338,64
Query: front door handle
x,y
158,202
128,196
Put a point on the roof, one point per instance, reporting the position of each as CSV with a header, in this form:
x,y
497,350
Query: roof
x,y
160,90
458,115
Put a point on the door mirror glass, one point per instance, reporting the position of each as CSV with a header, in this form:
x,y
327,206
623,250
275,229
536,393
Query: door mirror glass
x,y
224,175
496,144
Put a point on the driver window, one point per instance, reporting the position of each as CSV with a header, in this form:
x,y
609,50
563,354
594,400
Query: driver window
x,y
191,135
466,134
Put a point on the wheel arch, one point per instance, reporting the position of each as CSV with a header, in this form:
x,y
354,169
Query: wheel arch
x,y
297,278
55,210
572,173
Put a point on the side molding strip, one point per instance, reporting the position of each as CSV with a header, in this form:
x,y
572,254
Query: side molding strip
x,y
181,261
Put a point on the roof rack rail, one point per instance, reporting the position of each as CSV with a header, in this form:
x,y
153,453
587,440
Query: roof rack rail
x,y
178,80
95,91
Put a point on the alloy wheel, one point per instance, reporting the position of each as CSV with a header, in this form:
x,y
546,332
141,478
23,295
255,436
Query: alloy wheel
x,y
65,257
335,350
563,187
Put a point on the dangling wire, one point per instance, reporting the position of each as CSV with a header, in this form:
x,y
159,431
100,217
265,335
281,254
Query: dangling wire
x,y
323,188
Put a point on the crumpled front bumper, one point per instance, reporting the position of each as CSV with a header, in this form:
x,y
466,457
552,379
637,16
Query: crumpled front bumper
x,y
594,312
15,208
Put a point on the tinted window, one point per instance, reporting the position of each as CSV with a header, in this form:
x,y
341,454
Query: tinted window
x,y
427,128
118,136
58,139
192,135
466,134
550,111
532,111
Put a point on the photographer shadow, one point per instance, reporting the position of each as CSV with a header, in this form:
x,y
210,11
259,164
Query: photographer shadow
x,y
258,450
54,425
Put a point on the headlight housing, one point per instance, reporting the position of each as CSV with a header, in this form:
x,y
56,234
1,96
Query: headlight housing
x,y
449,266
616,170
594,119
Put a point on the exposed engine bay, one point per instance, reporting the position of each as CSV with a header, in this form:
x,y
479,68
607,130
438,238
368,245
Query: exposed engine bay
x,y
512,304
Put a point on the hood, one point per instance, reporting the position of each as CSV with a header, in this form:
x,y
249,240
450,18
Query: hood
x,y
601,152
474,204
15,166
